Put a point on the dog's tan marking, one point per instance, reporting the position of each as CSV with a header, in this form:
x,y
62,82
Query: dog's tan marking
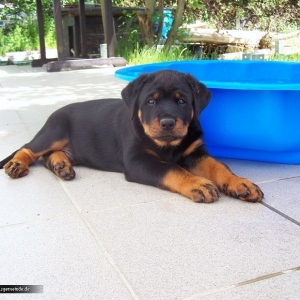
x,y
60,165
140,115
166,144
180,129
193,187
57,157
153,129
211,169
192,147
149,151
26,156
177,95
155,96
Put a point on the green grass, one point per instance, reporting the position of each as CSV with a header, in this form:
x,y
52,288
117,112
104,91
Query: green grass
x,y
281,57
144,55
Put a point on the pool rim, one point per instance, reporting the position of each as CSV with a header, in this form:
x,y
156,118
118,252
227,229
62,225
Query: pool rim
x,y
129,73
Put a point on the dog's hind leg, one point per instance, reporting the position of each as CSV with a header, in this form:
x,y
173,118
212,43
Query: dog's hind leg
x,y
52,137
18,165
60,165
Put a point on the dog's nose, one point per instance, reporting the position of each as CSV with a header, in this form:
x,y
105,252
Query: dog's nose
x,y
167,124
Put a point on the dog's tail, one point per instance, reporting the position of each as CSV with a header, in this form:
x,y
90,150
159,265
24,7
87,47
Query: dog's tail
x,y
7,159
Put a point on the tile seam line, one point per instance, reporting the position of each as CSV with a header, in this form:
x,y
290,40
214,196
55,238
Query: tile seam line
x,y
33,222
278,179
106,254
111,261
16,110
280,213
240,284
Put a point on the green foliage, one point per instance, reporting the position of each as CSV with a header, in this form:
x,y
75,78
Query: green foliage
x,y
128,31
268,15
19,36
3,46
49,28
21,30
18,9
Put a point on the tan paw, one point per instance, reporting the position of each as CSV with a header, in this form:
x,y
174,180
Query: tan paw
x,y
243,189
16,169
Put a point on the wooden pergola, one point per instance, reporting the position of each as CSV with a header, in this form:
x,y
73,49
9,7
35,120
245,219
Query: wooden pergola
x,y
62,61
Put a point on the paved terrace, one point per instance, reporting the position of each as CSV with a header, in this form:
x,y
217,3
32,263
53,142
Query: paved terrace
x,y
100,237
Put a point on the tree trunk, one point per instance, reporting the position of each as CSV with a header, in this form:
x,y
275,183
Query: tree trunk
x,y
161,19
175,25
103,17
146,22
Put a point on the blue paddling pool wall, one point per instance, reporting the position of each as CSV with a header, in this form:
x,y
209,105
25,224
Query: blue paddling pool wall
x,y
254,112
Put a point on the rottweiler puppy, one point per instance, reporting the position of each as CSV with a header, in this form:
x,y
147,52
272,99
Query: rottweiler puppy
x,y
153,136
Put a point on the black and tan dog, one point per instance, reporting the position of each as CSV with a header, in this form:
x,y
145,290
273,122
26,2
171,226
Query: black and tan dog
x,y
153,136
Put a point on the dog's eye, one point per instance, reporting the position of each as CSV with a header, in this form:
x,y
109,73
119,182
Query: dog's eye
x,y
151,101
181,101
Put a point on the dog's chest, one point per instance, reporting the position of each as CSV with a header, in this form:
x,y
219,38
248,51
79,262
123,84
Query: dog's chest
x,y
169,155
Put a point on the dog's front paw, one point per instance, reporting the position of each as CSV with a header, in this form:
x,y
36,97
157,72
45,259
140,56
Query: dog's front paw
x,y
196,188
243,189
16,169
202,191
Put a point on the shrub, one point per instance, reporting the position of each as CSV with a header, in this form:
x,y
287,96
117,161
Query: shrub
x,y
268,15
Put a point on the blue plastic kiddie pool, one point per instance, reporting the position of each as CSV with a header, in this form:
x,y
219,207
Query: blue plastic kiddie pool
x,y
254,112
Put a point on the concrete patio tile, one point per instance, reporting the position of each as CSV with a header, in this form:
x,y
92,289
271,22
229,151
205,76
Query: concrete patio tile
x,y
278,181
35,197
96,190
51,88
284,196
8,116
37,95
13,133
262,171
18,70
174,249
9,148
62,255
279,287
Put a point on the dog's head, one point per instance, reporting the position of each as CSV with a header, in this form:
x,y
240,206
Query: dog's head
x,y
165,103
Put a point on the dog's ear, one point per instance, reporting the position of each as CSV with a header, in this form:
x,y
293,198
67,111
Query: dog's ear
x,y
201,94
130,94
